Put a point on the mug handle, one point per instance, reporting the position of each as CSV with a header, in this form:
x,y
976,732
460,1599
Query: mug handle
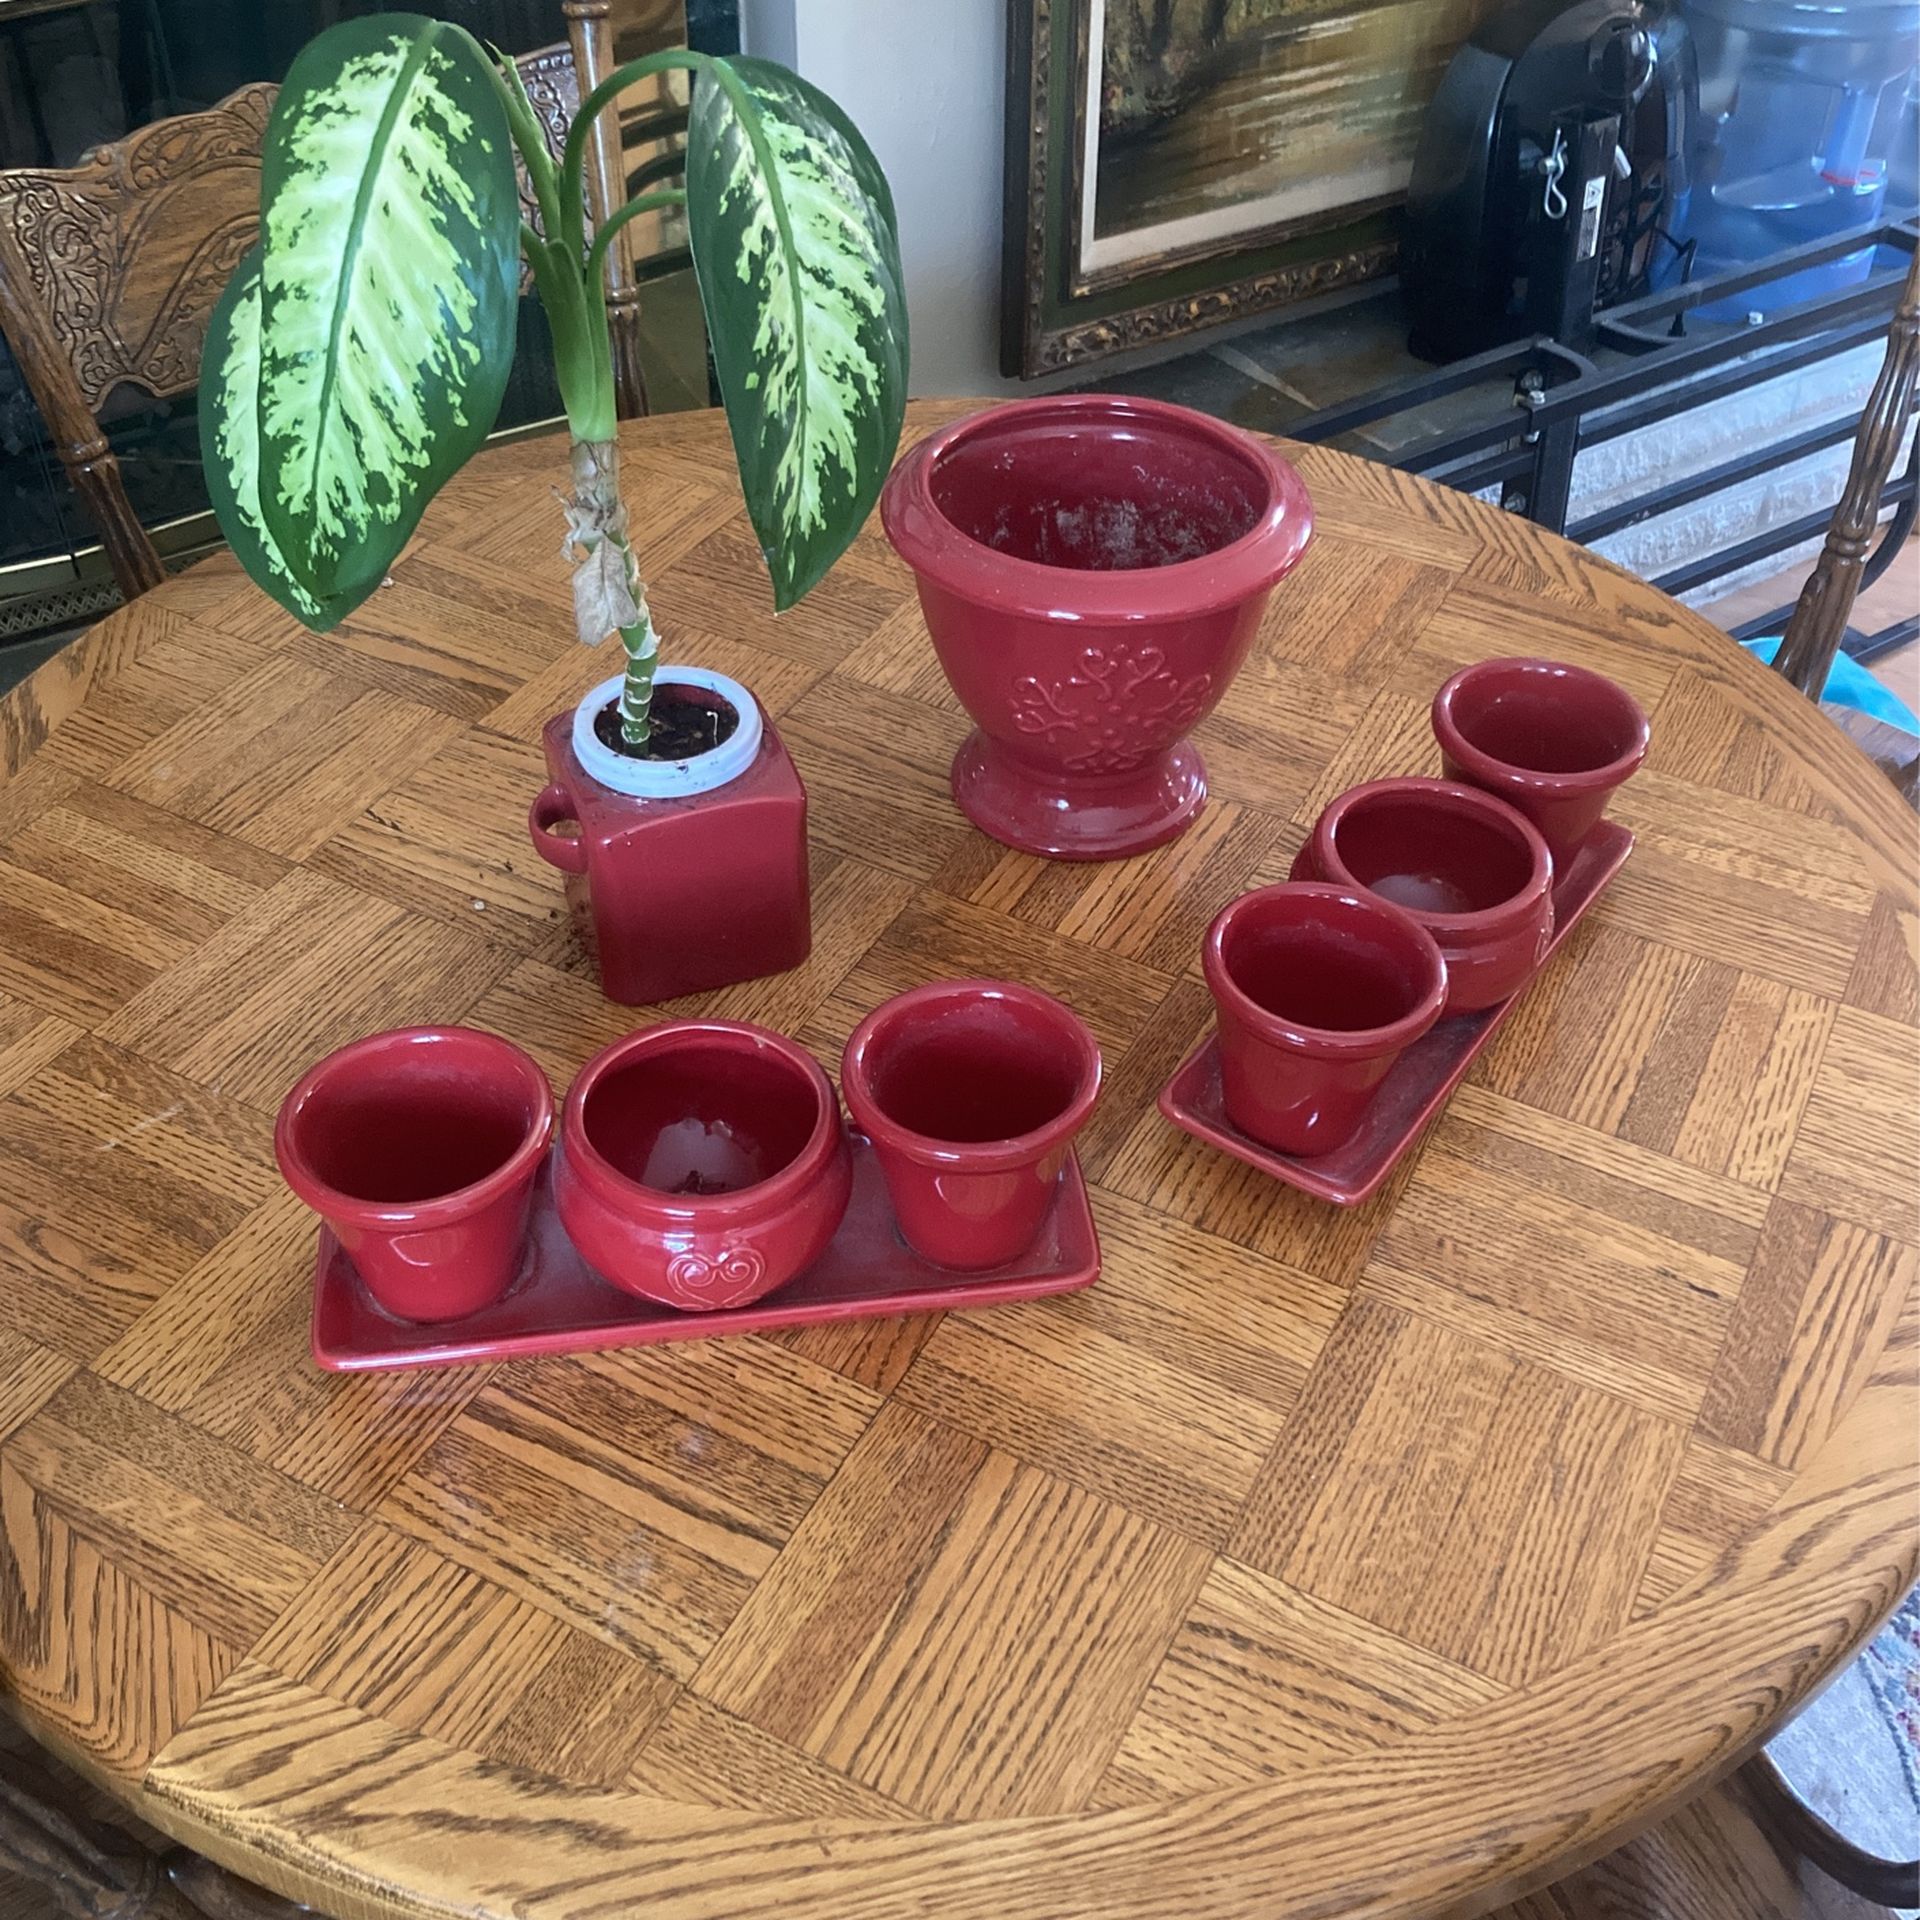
x,y
551,805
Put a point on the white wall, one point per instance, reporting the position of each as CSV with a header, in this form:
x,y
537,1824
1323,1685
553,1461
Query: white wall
x,y
925,81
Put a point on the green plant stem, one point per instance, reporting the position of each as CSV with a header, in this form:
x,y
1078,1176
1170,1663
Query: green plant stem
x,y
570,277
601,515
636,689
645,203
524,125
573,156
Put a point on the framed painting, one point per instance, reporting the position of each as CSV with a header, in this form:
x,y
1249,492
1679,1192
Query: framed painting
x,y
1175,163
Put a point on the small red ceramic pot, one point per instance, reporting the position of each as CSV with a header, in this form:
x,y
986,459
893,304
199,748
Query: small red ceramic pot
x,y
971,1092
419,1149
1319,990
1471,870
702,1163
1552,740
1092,570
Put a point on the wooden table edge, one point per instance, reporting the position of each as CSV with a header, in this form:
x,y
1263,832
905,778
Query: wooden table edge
x,y
1549,1785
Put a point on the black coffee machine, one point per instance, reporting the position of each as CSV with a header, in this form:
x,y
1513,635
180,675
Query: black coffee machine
x,y
1550,173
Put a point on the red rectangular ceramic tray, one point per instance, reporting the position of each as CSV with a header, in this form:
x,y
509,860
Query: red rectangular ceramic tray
x,y
560,1305
1421,1079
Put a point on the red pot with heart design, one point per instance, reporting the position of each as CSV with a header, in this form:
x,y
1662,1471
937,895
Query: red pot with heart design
x,y
701,1163
1093,570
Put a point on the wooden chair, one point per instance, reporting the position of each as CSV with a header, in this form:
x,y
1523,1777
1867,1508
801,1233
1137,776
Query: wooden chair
x,y
1819,621
1887,1883
108,276
109,270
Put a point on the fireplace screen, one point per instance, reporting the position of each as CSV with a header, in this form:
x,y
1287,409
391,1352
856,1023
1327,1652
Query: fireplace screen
x,y
77,73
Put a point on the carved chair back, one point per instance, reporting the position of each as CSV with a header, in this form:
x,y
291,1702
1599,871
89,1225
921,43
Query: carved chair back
x,y
108,275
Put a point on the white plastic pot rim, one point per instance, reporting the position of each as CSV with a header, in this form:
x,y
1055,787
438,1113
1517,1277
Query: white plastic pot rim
x,y
669,779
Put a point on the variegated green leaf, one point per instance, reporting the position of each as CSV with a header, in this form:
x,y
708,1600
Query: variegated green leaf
x,y
390,248
230,443
793,237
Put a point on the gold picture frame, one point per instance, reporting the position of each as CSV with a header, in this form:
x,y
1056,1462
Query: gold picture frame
x,y
1074,291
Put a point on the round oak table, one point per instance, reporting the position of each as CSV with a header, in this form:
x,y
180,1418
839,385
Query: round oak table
x,y
1311,1562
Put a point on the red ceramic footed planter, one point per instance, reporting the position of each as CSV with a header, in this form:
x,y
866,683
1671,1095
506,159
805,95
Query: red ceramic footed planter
x,y
1092,570
1552,740
971,1092
1319,990
702,1163
681,874
1466,866
419,1149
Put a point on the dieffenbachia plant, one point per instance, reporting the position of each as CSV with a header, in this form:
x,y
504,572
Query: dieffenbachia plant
x,y
359,355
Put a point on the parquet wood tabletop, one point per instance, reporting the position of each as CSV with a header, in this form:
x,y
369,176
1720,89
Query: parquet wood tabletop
x,y
1312,1563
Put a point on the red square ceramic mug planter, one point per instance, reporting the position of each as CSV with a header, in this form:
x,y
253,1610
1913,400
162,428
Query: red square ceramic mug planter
x,y
1093,570
682,874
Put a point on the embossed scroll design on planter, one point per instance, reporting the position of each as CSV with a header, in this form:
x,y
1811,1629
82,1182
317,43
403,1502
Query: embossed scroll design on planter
x,y
737,1271
1124,703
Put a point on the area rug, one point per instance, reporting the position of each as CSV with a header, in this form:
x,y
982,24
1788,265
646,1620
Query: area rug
x,y
1853,1755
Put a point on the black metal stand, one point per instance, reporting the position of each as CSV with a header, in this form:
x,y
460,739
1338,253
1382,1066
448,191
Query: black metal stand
x,y
1571,401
